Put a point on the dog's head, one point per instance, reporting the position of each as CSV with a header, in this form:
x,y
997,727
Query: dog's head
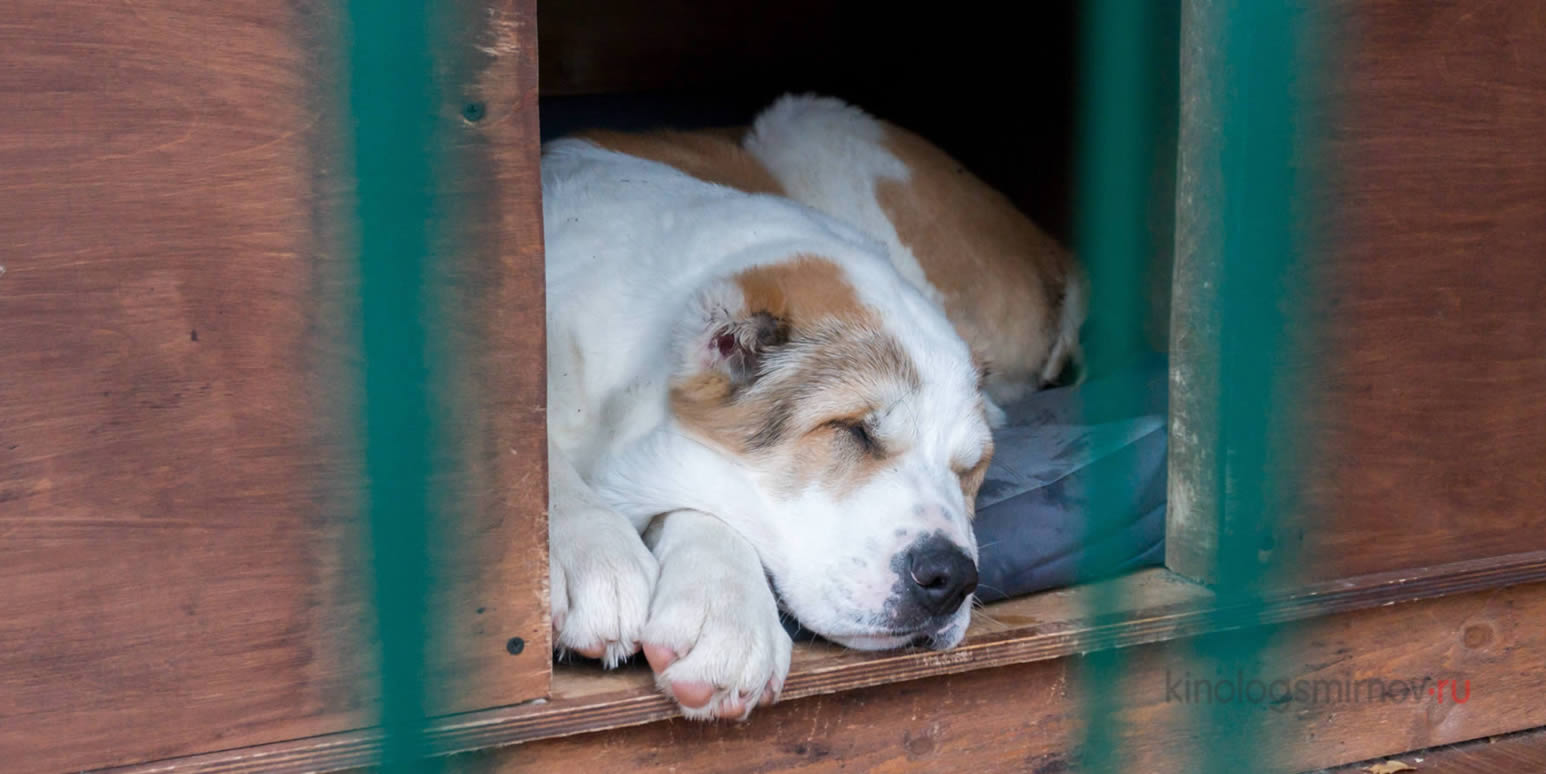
x,y
853,433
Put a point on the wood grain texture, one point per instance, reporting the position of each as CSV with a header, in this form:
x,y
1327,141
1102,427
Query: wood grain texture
x,y
1425,385
1158,606
179,553
1193,515
493,572
1435,433
1517,753
1027,717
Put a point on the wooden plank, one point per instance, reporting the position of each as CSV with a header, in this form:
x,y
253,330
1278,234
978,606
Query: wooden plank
x,y
1027,717
495,647
178,552
1436,430
1159,606
1193,515
1517,753
1425,426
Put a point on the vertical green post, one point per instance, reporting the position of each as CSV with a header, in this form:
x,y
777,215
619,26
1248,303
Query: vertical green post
x,y
1261,228
1255,85
1249,72
1123,67
392,108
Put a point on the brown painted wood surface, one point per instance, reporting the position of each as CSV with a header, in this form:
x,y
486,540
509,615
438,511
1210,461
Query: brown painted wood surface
x,y
1157,606
1027,717
180,559
1519,753
1436,432
1426,389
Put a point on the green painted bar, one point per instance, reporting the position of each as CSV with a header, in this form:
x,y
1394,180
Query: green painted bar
x,y
1257,90
392,109
1121,67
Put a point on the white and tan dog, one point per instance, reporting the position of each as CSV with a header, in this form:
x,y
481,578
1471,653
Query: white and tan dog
x,y
766,388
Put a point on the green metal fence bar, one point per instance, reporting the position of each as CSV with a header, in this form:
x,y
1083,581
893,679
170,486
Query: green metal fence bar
x,y
1257,83
392,111
1122,67
1255,87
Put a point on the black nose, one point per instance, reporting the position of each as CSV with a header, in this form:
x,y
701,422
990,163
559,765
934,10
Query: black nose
x,y
941,575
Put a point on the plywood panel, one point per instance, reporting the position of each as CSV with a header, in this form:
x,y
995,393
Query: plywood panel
x,y
1425,385
1435,427
495,646
180,566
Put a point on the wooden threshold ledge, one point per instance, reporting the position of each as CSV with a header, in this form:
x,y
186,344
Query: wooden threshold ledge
x,y
1155,605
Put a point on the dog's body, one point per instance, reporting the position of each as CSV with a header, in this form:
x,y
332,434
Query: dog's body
x,y
756,360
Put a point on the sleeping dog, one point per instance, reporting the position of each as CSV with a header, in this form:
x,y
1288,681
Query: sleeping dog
x,y
774,357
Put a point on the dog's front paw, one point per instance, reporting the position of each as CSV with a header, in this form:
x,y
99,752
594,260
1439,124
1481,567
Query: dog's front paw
x,y
714,639
602,577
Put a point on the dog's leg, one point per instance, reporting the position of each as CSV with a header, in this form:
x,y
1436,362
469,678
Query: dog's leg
x,y
713,637
601,575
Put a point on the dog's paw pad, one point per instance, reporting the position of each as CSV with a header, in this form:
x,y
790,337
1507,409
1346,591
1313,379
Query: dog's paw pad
x,y
659,657
692,694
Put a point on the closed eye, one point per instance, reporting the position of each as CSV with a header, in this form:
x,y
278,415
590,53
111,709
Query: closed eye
x,y
860,435
976,468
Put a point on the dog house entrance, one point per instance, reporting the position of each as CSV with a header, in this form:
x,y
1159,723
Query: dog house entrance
x,y
1000,98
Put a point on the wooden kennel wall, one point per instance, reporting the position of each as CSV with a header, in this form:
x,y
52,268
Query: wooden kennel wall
x,y
179,561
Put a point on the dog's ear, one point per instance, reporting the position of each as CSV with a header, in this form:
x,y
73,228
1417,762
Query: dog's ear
x,y
726,337
738,347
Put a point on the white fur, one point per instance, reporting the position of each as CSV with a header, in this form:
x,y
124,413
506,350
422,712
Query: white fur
x,y
637,257
720,618
830,155
594,554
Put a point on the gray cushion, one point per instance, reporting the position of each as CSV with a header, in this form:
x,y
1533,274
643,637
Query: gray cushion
x,y
1032,510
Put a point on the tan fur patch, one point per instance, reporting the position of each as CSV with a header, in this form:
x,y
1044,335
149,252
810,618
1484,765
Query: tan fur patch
x,y
1002,278
801,295
804,292
971,479
711,155
833,368
831,458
